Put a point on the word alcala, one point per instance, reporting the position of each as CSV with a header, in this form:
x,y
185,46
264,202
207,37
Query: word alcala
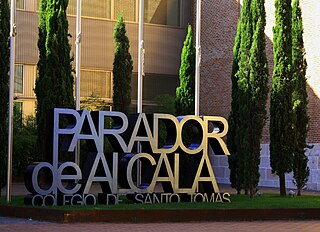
x,y
159,161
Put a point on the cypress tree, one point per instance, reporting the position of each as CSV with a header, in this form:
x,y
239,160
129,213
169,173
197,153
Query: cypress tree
x,y
243,90
184,102
257,99
233,118
122,69
54,87
300,100
4,90
281,117
40,81
249,95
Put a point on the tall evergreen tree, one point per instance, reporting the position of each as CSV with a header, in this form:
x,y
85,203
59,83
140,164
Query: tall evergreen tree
x,y
54,86
281,116
257,99
300,100
242,76
41,81
122,69
249,95
233,119
184,102
4,80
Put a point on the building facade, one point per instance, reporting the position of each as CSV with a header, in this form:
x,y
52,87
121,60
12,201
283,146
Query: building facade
x,y
219,25
165,29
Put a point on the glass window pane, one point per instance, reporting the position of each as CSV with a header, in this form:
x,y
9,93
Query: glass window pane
x,y
18,79
95,84
127,7
164,12
173,12
17,112
91,8
20,4
96,8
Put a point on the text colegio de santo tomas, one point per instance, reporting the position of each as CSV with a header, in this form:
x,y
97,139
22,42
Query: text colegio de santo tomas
x,y
124,135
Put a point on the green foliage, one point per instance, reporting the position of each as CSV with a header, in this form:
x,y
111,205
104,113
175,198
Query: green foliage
x,y
41,66
249,96
184,102
281,110
54,86
24,143
122,69
299,99
233,118
4,81
94,103
165,104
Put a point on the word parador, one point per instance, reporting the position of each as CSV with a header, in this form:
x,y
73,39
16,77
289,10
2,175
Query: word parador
x,y
123,136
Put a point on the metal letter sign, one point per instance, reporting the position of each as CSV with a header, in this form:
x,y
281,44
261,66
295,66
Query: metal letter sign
x,y
163,147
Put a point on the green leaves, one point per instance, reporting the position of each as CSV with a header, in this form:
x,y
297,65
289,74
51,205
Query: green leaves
x,y
184,102
122,69
288,110
54,85
249,95
299,100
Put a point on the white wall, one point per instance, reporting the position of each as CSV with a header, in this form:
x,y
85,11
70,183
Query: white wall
x,y
267,179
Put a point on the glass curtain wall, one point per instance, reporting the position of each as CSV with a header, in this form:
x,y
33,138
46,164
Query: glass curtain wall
x,y
161,12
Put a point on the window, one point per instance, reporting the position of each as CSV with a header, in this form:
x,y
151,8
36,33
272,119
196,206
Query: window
x,y
18,79
165,12
95,84
91,8
17,111
155,85
20,4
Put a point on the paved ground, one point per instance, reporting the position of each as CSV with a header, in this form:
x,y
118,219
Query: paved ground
x,y
8,225
17,225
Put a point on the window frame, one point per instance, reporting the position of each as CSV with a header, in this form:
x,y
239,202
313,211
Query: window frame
x,y
16,93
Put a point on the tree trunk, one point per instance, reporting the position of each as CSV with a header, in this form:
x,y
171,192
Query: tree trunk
x,y
252,192
299,192
282,180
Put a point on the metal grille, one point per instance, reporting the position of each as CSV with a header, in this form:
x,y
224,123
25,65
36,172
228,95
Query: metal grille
x,y
95,84
127,7
91,8
164,12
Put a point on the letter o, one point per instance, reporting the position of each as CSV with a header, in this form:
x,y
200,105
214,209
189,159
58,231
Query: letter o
x,y
196,195
176,195
195,149
49,200
36,202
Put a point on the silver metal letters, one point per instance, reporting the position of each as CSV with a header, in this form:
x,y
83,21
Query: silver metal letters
x,y
210,130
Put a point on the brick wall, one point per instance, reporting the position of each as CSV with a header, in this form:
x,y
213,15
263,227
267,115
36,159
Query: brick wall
x,y
218,30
